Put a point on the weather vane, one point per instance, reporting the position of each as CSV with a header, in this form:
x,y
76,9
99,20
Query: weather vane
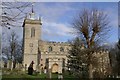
x,y
32,7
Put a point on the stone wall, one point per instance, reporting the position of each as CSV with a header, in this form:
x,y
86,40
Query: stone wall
x,y
55,56
31,42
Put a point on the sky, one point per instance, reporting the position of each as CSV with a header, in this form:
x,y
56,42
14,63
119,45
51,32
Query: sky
x,y
61,0
58,16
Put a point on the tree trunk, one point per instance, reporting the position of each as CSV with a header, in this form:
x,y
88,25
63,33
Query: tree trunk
x,y
90,71
90,65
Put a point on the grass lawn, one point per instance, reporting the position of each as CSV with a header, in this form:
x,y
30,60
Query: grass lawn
x,y
33,77
20,75
24,76
28,77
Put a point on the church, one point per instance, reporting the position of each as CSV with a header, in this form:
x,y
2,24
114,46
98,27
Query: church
x,y
47,56
50,56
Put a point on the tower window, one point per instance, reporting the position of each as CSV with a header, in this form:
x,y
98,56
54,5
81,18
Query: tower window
x,y
32,32
50,49
61,49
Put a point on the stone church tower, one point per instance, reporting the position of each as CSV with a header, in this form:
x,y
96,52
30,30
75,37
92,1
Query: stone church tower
x,y
48,56
31,36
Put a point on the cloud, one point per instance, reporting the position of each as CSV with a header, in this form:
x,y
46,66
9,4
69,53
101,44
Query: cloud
x,y
56,29
52,11
56,17
53,31
113,15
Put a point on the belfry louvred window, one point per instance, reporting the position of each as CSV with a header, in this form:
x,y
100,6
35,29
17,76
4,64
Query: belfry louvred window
x,y
32,32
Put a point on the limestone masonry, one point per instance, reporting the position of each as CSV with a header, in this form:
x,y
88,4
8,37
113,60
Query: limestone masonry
x,y
46,55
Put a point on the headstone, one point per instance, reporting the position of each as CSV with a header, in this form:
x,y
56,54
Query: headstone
x,y
117,77
25,67
38,68
60,76
45,71
50,73
16,66
20,66
9,64
2,64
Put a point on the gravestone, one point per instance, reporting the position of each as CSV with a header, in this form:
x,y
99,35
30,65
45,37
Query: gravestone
x,y
37,68
2,64
45,71
20,66
60,76
50,73
25,67
16,66
10,64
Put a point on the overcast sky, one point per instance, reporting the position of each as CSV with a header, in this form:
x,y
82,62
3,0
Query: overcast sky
x,y
57,18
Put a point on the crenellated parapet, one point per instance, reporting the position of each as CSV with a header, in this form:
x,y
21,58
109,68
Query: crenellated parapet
x,y
54,43
54,47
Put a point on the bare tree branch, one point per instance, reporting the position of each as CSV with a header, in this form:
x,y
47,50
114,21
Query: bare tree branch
x,y
13,12
92,26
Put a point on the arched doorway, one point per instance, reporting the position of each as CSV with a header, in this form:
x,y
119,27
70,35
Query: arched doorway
x,y
55,68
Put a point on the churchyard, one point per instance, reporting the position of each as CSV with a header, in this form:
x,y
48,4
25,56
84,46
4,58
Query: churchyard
x,y
46,49
18,73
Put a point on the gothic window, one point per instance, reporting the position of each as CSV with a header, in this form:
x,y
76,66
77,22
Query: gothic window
x,y
32,32
50,49
61,49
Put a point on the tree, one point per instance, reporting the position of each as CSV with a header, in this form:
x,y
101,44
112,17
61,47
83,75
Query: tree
x,y
78,60
13,50
74,64
13,12
115,59
118,57
91,26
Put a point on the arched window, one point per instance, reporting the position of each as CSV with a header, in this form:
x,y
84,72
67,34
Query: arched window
x,y
33,32
61,49
50,49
